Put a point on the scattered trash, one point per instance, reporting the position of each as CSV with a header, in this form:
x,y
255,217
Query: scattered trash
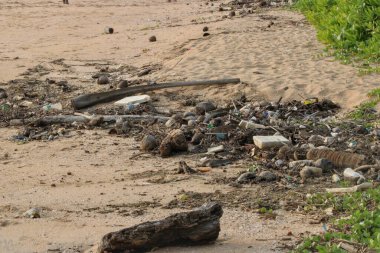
x,y
264,142
353,176
340,159
250,125
133,100
214,150
87,100
50,107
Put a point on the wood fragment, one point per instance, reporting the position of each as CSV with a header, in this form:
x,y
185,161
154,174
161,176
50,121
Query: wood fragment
x,y
87,100
367,167
196,227
361,187
69,119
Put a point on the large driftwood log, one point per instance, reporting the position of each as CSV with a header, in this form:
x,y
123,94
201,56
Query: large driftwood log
x,y
68,119
87,100
196,227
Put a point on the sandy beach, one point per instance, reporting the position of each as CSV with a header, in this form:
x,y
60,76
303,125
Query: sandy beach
x,y
85,183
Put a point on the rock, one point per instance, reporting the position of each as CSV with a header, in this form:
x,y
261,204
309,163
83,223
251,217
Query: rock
x,y
216,122
197,138
279,163
174,141
270,141
108,30
123,84
185,169
152,39
206,34
26,104
205,29
232,14
3,93
33,213
316,140
95,121
309,172
203,107
216,149
266,176
324,164
148,143
246,177
103,80
191,123
188,114
170,123
335,178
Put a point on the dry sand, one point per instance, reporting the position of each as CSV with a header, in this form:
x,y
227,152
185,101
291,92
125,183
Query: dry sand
x,y
283,60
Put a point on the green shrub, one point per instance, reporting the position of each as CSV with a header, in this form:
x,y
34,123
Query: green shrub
x,y
350,27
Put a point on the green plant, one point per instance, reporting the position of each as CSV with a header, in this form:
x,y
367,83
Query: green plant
x,y
350,27
358,221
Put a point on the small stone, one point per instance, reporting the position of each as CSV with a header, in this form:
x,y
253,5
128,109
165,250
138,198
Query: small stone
x,y
197,138
232,14
335,178
206,34
153,39
203,107
148,143
3,93
324,164
123,84
246,177
279,163
205,29
174,141
191,123
309,172
266,176
96,121
103,80
33,213
108,30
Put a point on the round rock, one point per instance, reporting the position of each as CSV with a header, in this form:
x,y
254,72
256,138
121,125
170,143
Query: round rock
x,y
148,143
123,84
152,39
103,80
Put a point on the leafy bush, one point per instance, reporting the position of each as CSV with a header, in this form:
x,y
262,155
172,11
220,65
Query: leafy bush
x,y
360,225
350,27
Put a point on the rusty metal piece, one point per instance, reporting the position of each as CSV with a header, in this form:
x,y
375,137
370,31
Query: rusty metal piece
x,y
338,158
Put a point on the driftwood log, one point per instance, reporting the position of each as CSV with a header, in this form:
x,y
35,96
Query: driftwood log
x,y
200,226
87,100
68,119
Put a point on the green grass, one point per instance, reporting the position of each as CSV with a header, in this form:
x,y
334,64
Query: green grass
x,y
351,28
365,111
358,222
